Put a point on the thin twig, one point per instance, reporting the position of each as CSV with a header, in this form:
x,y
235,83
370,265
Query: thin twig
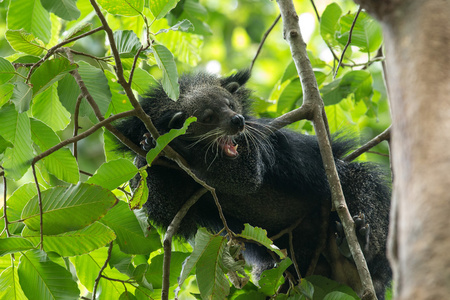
x,y
315,10
56,47
41,212
348,42
83,135
293,258
97,280
289,229
263,40
75,124
323,235
5,216
171,230
385,135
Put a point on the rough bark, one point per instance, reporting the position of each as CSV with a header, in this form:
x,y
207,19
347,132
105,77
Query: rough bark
x,y
417,40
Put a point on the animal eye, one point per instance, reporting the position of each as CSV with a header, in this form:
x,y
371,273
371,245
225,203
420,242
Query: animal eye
x,y
231,106
207,119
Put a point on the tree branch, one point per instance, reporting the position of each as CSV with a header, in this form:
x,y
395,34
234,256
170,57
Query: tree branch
x,y
313,106
171,230
41,212
384,136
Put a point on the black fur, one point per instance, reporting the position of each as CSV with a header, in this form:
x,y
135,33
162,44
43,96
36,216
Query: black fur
x,y
277,178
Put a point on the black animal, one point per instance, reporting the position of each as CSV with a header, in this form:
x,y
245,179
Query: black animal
x,y
267,178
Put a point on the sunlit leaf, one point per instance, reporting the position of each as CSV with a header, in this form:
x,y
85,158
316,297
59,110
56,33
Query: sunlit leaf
x,y
123,7
10,286
22,41
49,72
166,63
14,244
40,276
271,279
184,25
259,235
68,208
30,16
22,96
160,8
16,129
329,23
7,71
76,242
60,163
65,9
130,236
113,173
165,139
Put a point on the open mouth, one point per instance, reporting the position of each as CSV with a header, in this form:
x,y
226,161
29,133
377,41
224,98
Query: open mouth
x,y
228,147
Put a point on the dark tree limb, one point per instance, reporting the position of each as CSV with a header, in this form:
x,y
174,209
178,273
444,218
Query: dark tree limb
x,y
99,276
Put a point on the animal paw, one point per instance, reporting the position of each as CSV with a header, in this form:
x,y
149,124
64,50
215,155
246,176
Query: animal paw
x,y
148,142
362,229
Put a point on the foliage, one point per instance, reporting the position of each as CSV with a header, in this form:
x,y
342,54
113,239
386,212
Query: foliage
x,y
69,233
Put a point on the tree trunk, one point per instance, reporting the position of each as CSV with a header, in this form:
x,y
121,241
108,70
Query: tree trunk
x,y
417,40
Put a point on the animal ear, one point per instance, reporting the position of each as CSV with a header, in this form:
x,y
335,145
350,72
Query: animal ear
x,y
234,82
177,120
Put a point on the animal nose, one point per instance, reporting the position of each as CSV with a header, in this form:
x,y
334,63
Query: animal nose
x,y
238,122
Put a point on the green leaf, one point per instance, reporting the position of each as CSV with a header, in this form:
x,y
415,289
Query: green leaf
x,y
47,108
184,46
165,139
16,129
160,8
130,237
329,23
324,286
68,208
142,80
184,25
123,7
358,83
9,285
140,194
259,235
14,244
211,279
61,163
6,91
127,296
154,272
291,94
15,204
65,9
40,276
119,100
49,72
22,96
7,71
76,242
271,279
338,296
366,34
202,240
77,31
127,43
30,16
97,85
21,41
166,63
113,173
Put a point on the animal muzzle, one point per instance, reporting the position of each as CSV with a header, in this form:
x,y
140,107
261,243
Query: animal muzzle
x,y
237,122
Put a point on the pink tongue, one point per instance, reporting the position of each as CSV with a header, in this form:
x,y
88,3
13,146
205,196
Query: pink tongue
x,y
230,150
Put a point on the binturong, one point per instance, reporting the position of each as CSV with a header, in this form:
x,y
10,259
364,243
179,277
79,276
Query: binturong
x,y
268,178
